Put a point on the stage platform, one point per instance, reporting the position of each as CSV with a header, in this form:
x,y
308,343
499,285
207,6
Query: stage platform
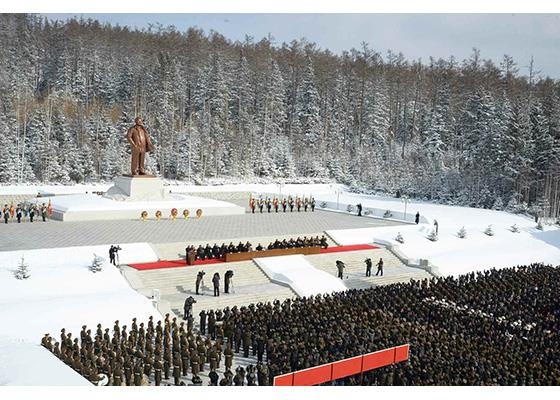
x,y
92,207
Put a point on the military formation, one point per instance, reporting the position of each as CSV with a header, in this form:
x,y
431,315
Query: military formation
x,y
158,353
25,212
291,204
497,327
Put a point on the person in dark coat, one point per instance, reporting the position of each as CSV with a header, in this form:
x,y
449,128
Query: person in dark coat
x,y
189,301
312,204
202,322
417,218
368,266
227,280
340,266
112,255
19,214
216,282
359,205
380,267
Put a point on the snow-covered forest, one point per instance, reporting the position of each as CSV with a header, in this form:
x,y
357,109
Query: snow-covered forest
x,y
465,132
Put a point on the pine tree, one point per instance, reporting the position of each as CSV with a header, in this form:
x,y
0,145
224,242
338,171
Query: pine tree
x,y
488,231
462,233
22,271
96,264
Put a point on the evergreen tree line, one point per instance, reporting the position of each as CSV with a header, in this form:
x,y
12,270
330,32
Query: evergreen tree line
x,y
468,132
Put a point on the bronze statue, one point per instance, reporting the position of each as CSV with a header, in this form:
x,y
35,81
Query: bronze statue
x,y
138,138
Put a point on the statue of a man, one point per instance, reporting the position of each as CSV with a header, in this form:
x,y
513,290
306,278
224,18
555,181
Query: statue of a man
x,y
138,138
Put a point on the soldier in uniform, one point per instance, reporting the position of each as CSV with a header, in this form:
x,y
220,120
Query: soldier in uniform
x,y
305,204
31,213
298,203
128,371
185,359
19,213
202,315
157,368
213,358
246,342
117,375
228,352
268,204
275,204
284,204
138,374
291,203
44,212
195,363
177,368
312,204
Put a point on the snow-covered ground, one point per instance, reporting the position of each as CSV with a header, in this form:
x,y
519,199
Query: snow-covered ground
x,y
296,272
451,254
61,292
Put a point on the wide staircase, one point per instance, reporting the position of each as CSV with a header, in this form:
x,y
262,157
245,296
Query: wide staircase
x,y
249,285
355,272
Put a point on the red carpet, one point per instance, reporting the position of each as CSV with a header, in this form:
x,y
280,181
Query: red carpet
x,y
172,264
181,263
354,247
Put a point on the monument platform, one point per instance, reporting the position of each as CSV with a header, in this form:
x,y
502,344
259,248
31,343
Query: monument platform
x,y
130,197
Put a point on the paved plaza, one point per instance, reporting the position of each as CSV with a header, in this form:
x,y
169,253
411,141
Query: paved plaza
x,y
50,234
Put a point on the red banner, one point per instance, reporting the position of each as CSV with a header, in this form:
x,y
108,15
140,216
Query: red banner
x,y
342,369
348,367
313,376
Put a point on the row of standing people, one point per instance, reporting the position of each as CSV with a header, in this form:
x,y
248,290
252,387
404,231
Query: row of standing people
x,y
275,204
23,213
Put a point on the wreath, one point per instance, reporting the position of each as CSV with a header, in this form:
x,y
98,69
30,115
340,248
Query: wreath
x,y
186,213
158,215
144,215
199,213
173,213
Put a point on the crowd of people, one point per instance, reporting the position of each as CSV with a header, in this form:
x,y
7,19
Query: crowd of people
x,y
23,212
158,353
275,204
218,252
497,327
294,243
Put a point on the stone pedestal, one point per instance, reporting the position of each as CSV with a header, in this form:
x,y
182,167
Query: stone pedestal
x,y
137,188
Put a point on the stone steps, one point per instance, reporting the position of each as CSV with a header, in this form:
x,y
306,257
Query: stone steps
x,y
250,285
354,274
